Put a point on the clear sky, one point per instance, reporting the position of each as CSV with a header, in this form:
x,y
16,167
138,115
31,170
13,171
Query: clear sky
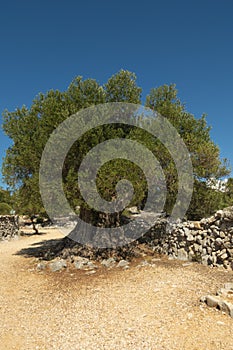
x,y
45,44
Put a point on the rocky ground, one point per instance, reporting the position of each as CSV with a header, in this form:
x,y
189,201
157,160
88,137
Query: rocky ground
x,y
149,303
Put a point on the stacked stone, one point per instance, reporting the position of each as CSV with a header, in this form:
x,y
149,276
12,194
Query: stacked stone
x,y
8,226
209,241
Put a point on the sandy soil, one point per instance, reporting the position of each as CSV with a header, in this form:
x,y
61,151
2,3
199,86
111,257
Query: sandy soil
x,y
141,308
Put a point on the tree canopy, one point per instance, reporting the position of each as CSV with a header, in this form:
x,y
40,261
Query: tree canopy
x,y
30,128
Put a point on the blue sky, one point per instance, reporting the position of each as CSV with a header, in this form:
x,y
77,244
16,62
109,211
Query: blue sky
x,y
45,44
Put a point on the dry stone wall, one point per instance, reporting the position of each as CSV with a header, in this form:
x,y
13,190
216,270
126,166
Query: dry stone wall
x,y
9,226
209,241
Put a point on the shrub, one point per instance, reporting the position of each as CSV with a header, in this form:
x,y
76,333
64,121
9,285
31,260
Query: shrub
x,y
5,209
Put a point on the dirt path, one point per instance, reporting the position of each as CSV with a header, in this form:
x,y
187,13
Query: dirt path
x,y
140,308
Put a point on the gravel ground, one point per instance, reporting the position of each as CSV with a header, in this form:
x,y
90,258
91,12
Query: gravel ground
x,y
153,307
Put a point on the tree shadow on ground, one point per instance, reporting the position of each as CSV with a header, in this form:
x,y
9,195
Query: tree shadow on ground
x,y
42,249
29,234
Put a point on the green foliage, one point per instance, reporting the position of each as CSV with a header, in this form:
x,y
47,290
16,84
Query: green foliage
x,y
205,201
30,128
5,196
205,155
228,194
5,209
122,87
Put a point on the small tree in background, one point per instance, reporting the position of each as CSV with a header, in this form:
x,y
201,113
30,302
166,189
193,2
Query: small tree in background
x,y
6,202
5,209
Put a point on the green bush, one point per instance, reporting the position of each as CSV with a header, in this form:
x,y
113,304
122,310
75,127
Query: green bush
x,y
5,209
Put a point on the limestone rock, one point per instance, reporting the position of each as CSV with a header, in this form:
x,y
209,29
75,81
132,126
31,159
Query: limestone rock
x,y
108,262
123,263
228,286
182,254
57,265
41,266
212,301
9,226
226,307
84,264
